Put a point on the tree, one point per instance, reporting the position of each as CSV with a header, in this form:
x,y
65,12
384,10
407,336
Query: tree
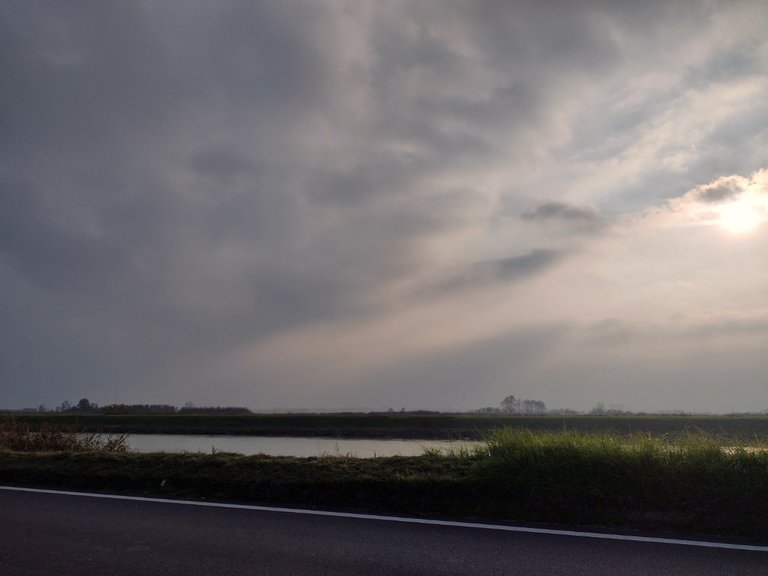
x,y
510,405
85,406
598,410
533,407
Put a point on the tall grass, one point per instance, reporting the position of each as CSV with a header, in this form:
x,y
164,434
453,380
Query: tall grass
x,y
638,459
20,437
694,472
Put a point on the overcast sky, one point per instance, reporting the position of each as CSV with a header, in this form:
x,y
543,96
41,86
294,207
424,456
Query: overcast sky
x,y
425,204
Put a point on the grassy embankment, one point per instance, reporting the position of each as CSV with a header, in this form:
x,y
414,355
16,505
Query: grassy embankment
x,y
395,425
692,483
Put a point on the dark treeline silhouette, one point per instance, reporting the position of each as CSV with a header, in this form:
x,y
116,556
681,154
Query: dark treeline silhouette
x,y
512,405
214,410
140,409
84,406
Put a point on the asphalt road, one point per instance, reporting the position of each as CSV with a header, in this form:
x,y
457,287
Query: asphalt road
x,y
54,534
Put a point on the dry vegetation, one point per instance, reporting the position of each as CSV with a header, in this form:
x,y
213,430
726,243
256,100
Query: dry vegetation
x,y
54,437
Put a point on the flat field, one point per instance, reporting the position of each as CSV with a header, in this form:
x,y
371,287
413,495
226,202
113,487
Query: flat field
x,y
397,425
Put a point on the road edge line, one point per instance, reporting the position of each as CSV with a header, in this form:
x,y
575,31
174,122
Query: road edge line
x,y
401,519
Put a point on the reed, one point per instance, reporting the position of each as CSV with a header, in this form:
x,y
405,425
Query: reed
x,y
52,437
696,480
642,464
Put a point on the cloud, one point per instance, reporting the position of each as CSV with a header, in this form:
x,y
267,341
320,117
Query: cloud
x,y
582,219
489,272
517,267
733,202
182,181
723,189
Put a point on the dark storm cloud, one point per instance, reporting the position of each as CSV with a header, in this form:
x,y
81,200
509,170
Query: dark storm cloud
x,y
463,104
180,178
158,180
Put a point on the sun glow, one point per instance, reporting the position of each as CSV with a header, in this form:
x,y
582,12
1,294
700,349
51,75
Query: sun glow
x,y
740,217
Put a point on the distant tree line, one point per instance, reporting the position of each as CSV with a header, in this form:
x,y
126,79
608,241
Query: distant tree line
x,y
84,406
526,407
140,409
510,405
513,405
214,410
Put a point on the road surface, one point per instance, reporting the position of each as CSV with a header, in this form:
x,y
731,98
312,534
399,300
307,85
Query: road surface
x,y
60,534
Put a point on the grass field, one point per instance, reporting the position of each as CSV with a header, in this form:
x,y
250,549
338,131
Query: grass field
x,y
396,425
696,483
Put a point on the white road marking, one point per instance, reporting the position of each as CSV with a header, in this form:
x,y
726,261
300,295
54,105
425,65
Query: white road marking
x,y
499,527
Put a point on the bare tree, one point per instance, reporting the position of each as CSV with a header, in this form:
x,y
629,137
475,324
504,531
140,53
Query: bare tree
x,y
533,407
510,405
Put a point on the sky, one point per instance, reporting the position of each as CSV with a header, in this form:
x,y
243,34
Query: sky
x,y
365,204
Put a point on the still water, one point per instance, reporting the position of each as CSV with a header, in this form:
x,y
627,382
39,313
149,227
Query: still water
x,y
287,446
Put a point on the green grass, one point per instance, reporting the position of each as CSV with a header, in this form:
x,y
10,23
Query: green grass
x,y
694,482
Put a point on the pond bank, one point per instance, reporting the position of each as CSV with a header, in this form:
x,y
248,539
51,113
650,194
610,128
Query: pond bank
x,y
517,476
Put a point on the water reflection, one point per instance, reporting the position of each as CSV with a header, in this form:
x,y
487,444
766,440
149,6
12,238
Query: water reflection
x,y
287,446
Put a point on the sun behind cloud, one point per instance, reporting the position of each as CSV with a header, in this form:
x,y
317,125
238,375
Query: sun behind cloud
x,y
735,204
740,217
